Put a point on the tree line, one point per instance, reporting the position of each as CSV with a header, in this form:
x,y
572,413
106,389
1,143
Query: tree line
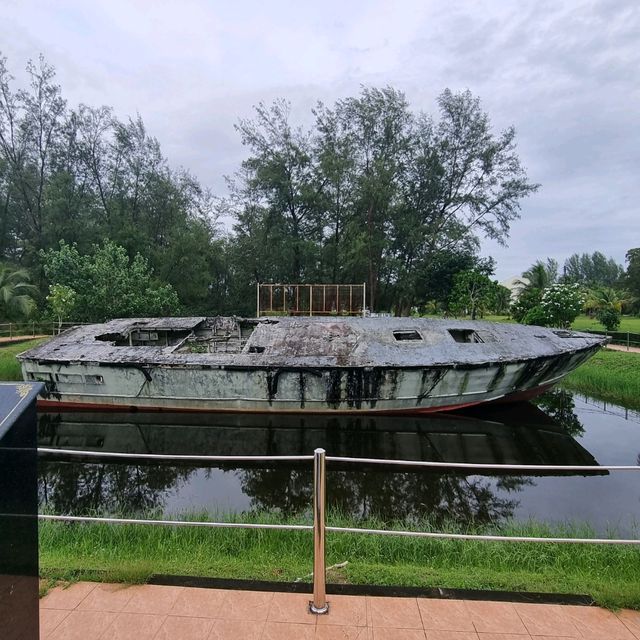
x,y
96,223
372,191
80,177
589,282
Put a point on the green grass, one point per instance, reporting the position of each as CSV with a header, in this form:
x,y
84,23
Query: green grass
x,y
609,375
581,323
9,365
132,553
629,324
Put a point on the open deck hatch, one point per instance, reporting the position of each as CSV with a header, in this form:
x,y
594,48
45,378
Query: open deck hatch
x,y
406,335
464,335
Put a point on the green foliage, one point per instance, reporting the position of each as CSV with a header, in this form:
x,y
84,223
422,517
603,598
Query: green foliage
x,y
561,304
373,192
536,316
595,270
540,274
107,283
627,323
632,276
500,300
83,176
609,375
9,366
556,306
16,294
609,318
62,301
134,552
472,292
528,300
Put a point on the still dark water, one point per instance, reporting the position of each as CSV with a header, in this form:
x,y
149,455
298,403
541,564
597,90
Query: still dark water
x,y
563,429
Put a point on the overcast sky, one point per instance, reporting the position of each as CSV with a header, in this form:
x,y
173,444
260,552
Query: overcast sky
x,y
565,74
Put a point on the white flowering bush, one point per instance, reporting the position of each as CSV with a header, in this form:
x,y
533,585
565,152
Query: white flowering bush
x,y
561,304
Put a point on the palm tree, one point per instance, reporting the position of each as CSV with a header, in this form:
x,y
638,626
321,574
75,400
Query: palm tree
x,y
602,298
541,275
606,305
16,294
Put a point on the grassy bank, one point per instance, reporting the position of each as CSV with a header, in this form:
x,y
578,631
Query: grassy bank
x,y
131,553
627,323
9,365
609,375
583,322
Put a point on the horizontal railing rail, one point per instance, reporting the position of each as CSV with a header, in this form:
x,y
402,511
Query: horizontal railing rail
x,y
167,457
620,338
478,536
176,523
319,527
381,461
34,328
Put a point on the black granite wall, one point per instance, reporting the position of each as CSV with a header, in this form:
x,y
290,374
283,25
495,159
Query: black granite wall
x,y
18,512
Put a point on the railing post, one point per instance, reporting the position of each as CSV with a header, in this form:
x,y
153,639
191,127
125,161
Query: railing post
x,y
319,604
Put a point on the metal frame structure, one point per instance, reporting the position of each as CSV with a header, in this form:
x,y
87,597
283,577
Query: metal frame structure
x,y
311,299
319,604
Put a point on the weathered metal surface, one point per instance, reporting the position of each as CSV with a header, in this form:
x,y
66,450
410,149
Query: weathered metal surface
x,y
310,364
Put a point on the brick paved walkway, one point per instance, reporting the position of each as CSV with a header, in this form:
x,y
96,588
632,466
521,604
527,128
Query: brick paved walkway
x,y
12,339
619,347
90,611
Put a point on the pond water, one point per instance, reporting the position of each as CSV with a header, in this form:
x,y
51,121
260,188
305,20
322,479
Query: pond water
x,y
563,429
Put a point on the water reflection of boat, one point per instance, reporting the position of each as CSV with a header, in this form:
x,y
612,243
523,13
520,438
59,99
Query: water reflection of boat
x,y
516,435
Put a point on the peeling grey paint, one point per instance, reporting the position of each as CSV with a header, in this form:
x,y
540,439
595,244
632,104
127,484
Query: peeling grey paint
x,y
294,364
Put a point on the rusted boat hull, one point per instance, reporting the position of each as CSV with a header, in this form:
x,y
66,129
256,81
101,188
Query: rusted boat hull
x,y
334,390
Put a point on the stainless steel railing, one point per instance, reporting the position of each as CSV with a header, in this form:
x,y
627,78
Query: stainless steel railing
x,y
319,604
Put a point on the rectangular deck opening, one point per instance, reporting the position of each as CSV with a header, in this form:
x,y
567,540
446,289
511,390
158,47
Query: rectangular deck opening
x,y
401,336
465,335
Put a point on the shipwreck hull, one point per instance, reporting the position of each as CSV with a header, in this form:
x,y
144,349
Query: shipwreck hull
x,y
340,390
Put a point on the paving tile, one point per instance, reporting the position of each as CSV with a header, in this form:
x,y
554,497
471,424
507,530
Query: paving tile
x,y
288,631
246,605
594,623
235,630
495,617
552,637
83,625
445,615
631,620
383,633
107,597
345,610
439,634
50,619
546,620
141,626
342,632
152,598
199,603
399,613
291,607
179,628
504,636
67,597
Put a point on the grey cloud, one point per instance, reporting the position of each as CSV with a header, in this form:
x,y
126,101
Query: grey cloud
x,y
565,74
